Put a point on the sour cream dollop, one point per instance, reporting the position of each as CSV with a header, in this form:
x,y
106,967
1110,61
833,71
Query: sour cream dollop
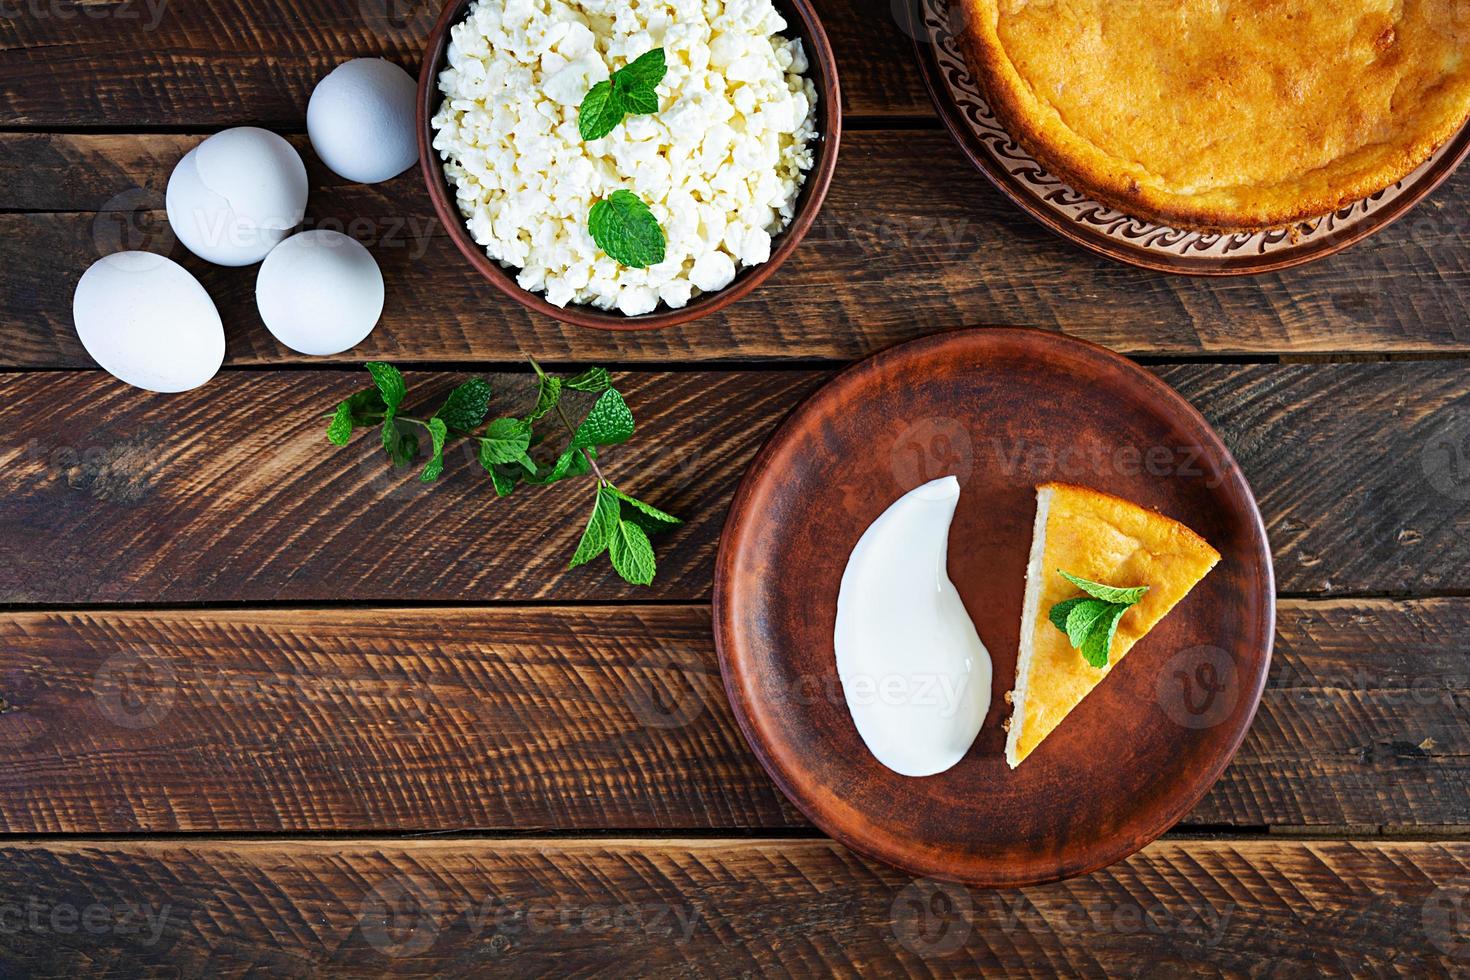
x,y
914,673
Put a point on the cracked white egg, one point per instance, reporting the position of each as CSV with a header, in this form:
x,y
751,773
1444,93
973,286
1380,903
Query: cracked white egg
x,y
319,292
148,322
361,120
914,673
236,195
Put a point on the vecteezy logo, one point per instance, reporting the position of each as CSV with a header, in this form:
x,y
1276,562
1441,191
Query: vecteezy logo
x,y
133,690
931,918
1198,687
666,705
929,449
1446,918
1445,458
132,221
400,917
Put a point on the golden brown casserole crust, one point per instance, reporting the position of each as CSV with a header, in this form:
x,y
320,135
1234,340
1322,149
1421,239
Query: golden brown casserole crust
x,y
1225,113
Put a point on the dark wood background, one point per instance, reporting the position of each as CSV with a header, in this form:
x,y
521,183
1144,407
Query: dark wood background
x,y
269,709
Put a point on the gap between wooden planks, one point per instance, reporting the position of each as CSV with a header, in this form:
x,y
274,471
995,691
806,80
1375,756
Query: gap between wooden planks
x,y
719,908
890,258
608,718
231,493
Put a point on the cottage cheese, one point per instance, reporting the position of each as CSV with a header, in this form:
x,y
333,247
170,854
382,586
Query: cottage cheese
x,y
719,164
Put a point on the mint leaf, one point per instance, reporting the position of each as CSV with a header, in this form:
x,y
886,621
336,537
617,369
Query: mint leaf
x,y
656,516
1084,617
1060,611
629,89
570,463
390,439
367,407
465,408
632,553
601,110
641,100
645,71
546,397
610,422
438,431
1091,621
505,441
360,409
1106,593
593,380
339,430
1099,642
400,446
390,384
601,526
504,479
624,228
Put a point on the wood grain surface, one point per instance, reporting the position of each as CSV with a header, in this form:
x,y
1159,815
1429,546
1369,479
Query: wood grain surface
x,y
202,63
579,719
214,623
720,908
946,252
231,493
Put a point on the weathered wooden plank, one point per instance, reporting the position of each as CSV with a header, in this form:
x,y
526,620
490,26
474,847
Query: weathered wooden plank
x,y
720,908
216,63
231,493
1362,724
944,252
377,719
269,720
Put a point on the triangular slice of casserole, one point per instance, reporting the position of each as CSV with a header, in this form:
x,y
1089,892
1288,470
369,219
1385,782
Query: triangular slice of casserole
x,y
1103,539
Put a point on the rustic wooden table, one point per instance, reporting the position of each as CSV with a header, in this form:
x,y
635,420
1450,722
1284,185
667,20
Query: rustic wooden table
x,y
270,709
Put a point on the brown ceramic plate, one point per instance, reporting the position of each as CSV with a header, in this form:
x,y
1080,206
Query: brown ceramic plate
x,y
934,24
802,22
1002,410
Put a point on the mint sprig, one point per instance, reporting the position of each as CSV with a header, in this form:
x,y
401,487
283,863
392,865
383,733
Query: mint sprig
x,y
630,89
1090,621
619,523
623,227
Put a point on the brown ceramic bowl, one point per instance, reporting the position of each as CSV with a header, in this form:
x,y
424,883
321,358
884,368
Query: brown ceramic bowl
x,y
1001,410
801,21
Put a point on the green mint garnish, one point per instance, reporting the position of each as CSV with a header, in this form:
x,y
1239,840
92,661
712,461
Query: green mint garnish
x,y
1106,593
631,553
595,380
609,423
466,406
1091,621
600,527
624,228
599,112
619,524
630,89
438,432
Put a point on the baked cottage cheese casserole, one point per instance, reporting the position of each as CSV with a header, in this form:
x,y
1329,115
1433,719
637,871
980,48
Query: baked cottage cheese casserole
x,y
1218,114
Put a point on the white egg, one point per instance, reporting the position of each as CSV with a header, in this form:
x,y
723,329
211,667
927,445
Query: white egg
x,y
361,120
914,673
233,197
319,292
148,322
